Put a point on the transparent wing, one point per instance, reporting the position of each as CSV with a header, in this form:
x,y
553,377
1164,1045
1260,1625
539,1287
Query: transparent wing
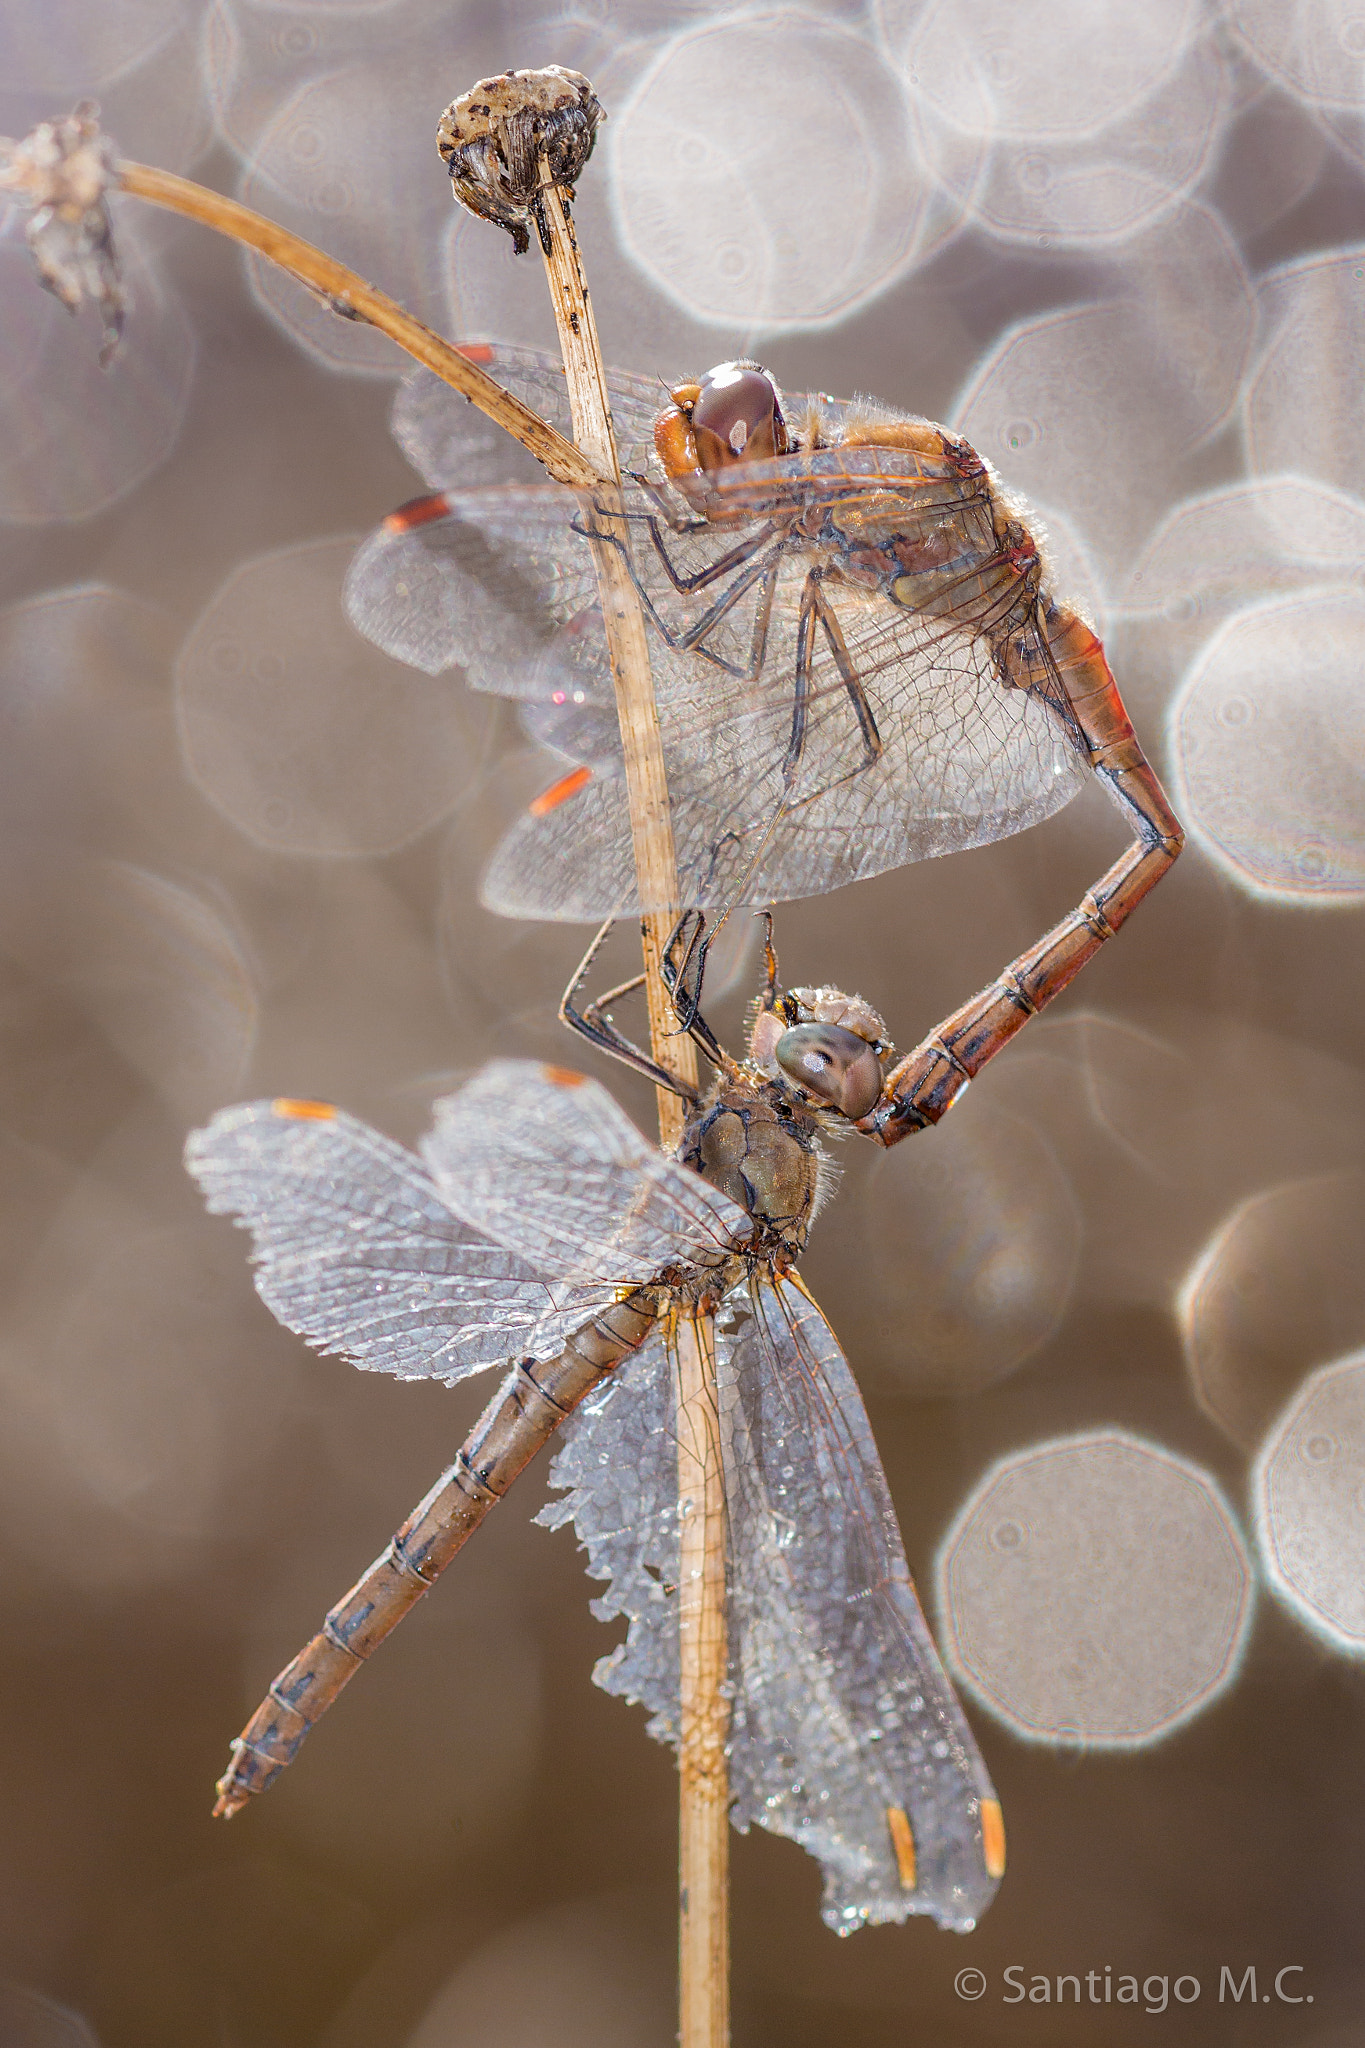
x,y
446,438
804,751
545,1162
355,1249
488,579
494,581
964,763
618,1461
842,1713
451,443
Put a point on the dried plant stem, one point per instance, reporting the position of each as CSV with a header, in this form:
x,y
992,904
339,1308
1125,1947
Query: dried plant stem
x,y
354,299
703,1776
627,646
704,1719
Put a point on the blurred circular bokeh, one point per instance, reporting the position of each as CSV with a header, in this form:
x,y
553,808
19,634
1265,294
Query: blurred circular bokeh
x,y
1308,1491
730,221
305,735
1095,1591
1278,1289
1268,739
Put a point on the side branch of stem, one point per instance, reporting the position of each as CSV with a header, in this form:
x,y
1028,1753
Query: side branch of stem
x,y
361,301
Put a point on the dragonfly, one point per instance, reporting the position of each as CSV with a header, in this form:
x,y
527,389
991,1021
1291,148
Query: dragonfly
x,y
540,1230
859,659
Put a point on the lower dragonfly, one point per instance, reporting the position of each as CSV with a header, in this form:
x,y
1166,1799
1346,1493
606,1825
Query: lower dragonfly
x,y
541,1230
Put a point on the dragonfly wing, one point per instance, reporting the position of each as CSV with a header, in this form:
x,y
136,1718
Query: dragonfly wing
x,y
563,863
493,581
963,762
544,1161
909,743
582,732
843,1715
452,443
618,1460
444,436
356,1250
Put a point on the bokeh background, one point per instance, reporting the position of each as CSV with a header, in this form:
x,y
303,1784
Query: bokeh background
x,y
1122,247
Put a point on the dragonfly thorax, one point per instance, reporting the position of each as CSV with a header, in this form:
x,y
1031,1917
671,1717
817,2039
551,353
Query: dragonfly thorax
x,y
761,1149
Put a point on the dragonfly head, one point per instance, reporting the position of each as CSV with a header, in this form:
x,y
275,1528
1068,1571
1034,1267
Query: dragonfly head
x,y
830,1049
733,415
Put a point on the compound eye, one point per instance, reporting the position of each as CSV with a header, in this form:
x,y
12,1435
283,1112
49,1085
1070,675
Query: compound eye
x,y
833,1064
737,416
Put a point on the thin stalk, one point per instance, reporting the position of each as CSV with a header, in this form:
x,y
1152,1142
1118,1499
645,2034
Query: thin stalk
x,y
651,820
704,1717
703,1774
350,296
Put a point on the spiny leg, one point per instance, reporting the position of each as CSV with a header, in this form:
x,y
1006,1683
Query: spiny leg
x,y
814,604
595,1024
743,551
815,607
768,1000
687,1003
928,1080
665,508
761,572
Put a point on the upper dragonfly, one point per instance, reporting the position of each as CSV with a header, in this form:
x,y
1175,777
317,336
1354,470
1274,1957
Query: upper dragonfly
x,y
541,1229
858,660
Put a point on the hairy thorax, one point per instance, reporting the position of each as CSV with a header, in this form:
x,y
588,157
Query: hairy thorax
x,y
761,1150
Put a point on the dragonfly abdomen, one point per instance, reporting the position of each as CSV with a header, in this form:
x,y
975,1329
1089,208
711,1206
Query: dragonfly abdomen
x,y
527,1409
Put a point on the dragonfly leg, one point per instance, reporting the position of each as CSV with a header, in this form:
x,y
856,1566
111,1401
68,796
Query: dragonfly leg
x,y
768,1000
815,605
734,558
762,573
922,1086
594,1023
526,1410
665,508
696,943
815,609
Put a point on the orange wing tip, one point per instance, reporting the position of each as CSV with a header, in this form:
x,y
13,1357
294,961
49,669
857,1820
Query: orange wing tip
x,y
559,792
993,1837
903,1842
304,1112
563,1077
417,512
475,351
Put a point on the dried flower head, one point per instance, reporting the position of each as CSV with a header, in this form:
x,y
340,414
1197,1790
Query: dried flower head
x,y
63,170
509,136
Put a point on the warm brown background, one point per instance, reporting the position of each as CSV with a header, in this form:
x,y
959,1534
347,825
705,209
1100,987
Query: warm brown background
x,y
478,1846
